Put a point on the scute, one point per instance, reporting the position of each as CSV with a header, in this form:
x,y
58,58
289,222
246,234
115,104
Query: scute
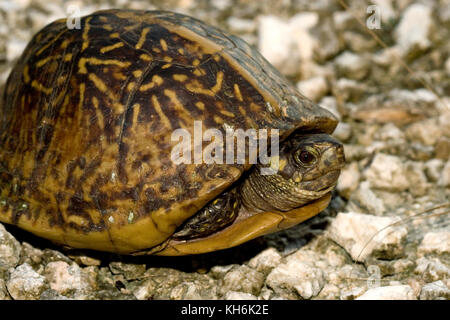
x,y
87,116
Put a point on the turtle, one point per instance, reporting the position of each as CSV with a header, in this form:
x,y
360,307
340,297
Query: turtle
x,y
87,122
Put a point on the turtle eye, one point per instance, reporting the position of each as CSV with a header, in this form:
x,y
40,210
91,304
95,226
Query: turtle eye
x,y
306,156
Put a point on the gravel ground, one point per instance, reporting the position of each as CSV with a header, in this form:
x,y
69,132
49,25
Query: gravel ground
x,y
386,234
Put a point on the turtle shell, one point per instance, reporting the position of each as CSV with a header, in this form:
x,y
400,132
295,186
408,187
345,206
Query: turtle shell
x,y
88,113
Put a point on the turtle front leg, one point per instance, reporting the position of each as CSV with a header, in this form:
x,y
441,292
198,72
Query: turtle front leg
x,y
216,215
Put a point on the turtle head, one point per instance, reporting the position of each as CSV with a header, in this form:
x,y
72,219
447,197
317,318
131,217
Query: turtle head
x,y
308,168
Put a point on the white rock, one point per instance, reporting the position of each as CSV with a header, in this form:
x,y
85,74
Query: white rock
x,y
414,28
444,180
368,199
240,25
11,6
287,43
435,290
387,172
345,89
65,278
401,292
342,19
390,132
363,235
435,242
3,292
314,88
447,65
343,131
351,293
221,270
15,48
387,11
351,65
330,103
432,269
265,261
24,283
427,131
415,174
433,169
186,291
419,95
348,180
243,279
220,4
9,250
234,295
297,276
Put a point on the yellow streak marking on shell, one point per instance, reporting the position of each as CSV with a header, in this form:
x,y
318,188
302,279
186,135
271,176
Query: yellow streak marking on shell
x,y
82,63
145,57
112,47
137,73
156,80
237,92
196,62
199,72
196,87
42,62
242,111
173,98
181,51
227,113
98,112
68,57
200,105
136,111
38,86
156,50
142,38
147,86
85,35
163,44
161,114
283,163
131,86
218,119
50,42
114,35
107,27
99,84
82,91
218,85
180,77
119,76
65,44
26,75
166,66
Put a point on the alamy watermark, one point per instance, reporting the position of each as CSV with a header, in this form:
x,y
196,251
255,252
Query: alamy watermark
x,y
374,20
73,17
221,149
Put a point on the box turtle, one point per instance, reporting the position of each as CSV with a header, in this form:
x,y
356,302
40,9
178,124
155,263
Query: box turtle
x,y
86,137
